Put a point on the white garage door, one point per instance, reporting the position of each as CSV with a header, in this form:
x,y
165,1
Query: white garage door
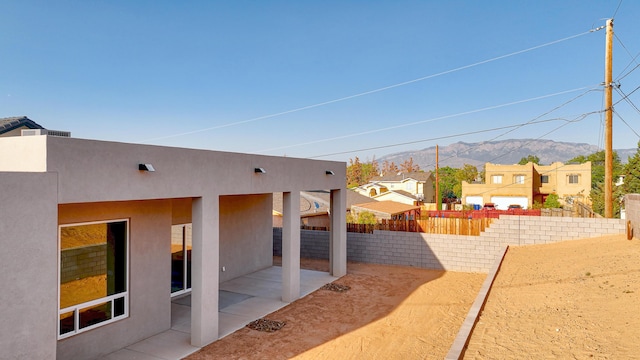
x,y
503,202
473,200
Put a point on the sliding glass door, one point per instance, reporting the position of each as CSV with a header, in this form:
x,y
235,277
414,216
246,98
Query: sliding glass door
x,y
180,259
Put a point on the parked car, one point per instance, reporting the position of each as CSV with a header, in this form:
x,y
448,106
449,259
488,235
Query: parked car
x,y
489,206
515,207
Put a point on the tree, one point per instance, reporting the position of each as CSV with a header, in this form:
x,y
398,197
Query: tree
x,y
448,180
360,173
530,158
552,202
389,168
408,166
631,173
597,178
354,173
468,173
363,217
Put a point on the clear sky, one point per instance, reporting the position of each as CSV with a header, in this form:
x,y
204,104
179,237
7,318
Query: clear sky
x,y
314,78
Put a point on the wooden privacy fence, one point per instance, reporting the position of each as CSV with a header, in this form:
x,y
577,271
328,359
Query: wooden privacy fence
x,y
435,225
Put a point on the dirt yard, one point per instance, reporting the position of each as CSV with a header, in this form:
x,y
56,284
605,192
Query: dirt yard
x,y
389,312
570,300
576,299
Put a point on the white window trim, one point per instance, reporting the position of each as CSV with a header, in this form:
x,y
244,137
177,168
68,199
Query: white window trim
x,y
76,308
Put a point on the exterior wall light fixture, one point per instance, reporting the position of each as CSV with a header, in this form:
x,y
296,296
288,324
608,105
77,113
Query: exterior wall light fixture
x,y
260,170
146,167
329,172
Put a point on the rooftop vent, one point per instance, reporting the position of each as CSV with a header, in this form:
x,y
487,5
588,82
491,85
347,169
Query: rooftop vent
x,y
34,132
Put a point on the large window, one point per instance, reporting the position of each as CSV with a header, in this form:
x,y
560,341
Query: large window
x,y
93,275
518,179
496,179
180,259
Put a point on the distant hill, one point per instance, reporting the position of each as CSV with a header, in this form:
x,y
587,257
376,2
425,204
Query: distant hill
x,y
498,152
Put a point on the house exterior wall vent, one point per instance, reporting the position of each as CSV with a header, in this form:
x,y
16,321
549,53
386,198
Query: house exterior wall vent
x,y
34,132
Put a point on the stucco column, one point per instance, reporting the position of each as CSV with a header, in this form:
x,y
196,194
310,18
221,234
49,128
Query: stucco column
x,y
291,246
338,235
205,261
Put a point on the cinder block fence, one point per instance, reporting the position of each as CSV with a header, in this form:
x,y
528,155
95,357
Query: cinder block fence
x,y
454,252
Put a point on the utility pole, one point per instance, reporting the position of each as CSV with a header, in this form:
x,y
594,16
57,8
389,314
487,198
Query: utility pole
x,y
438,198
608,131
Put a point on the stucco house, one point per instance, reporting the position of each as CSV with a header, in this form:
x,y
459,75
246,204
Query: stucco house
x,y
408,188
388,210
19,125
525,184
89,228
315,207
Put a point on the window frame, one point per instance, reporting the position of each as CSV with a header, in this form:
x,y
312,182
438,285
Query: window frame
x,y
75,309
570,176
543,178
517,177
497,176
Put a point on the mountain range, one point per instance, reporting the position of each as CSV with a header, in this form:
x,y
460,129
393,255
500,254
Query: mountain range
x,y
498,152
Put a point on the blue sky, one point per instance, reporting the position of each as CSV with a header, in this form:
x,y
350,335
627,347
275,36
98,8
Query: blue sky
x,y
317,78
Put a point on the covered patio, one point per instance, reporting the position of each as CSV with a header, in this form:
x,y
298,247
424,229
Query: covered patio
x,y
240,300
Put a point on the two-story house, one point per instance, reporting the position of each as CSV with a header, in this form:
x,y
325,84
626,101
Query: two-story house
x,y
527,184
408,188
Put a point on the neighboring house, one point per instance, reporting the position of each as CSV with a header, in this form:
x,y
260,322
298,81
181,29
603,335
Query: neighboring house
x,y
388,210
526,184
398,196
14,126
315,207
92,232
418,185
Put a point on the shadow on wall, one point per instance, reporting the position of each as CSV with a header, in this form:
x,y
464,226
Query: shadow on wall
x,y
408,250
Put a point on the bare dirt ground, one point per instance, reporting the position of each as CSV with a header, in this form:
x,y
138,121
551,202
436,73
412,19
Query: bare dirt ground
x,y
570,300
390,312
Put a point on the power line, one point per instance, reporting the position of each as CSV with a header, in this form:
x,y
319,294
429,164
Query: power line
x,y
617,8
424,121
629,126
372,91
441,137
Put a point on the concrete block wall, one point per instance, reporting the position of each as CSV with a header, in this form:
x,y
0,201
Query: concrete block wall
x,y
314,244
455,252
632,209
82,262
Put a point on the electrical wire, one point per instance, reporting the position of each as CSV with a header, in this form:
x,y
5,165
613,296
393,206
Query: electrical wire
x,y
440,137
626,123
425,121
372,91
617,8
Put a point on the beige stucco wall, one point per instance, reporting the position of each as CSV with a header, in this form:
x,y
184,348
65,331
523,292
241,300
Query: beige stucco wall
x,y
23,153
559,180
28,234
532,188
149,275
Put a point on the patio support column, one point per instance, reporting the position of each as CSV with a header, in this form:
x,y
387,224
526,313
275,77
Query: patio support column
x,y
338,235
291,246
205,261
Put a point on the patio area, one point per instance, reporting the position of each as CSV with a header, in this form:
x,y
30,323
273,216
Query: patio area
x,y
241,301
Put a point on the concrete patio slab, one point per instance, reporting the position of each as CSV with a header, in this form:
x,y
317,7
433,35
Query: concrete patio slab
x,y
241,301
